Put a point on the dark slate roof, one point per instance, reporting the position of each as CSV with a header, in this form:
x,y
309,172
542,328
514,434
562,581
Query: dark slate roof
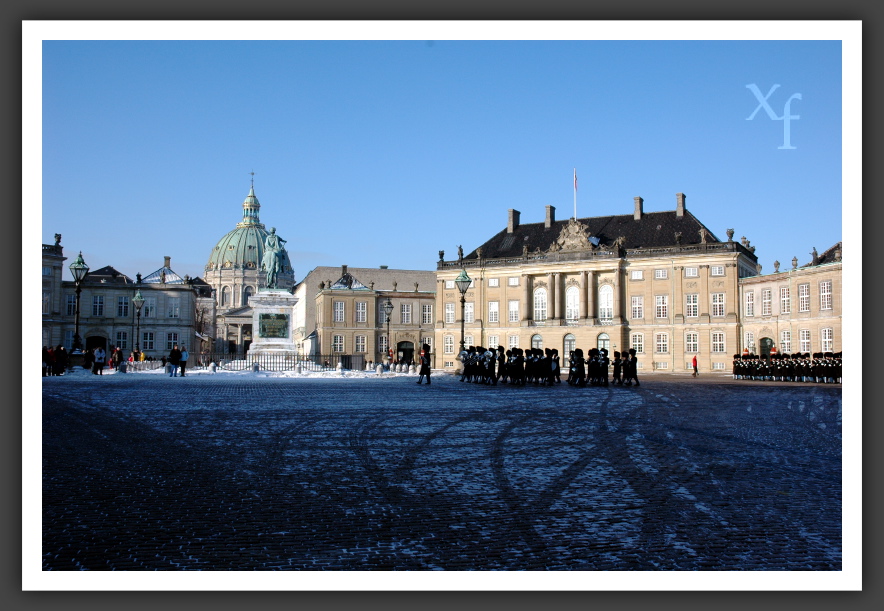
x,y
108,275
830,255
653,230
202,288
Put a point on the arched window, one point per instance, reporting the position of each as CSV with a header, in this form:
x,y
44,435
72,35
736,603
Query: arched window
x,y
540,304
606,302
572,303
570,346
604,342
225,296
246,293
536,341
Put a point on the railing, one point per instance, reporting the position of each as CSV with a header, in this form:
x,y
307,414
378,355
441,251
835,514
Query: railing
x,y
279,362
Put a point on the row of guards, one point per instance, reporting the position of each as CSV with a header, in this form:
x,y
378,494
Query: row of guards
x,y
820,367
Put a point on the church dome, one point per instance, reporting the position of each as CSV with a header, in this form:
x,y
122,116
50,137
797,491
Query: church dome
x,y
243,248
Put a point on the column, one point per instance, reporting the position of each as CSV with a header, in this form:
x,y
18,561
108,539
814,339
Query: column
x,y
551,280
527,302
618,300
591,298
584,281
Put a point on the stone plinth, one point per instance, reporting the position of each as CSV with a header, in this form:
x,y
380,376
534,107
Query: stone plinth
x,y
272,314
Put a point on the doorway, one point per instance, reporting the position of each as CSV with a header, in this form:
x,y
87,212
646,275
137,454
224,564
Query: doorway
x,y
405,352
604,341
766,344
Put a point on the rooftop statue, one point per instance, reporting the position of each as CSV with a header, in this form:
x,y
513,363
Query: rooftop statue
x,y
272,262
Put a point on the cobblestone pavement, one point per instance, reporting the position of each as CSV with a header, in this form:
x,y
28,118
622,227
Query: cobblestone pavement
x,y
154,473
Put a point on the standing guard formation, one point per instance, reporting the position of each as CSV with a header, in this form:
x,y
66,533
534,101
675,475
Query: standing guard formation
x,y
821,367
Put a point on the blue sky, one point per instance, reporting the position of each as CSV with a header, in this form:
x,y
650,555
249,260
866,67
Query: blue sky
x,y
372,153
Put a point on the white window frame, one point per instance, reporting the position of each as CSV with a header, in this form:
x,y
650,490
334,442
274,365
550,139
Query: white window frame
x,y
171,339
718,304
691,342
449,284
493,311
692,305
750,339
661,306
383,344
405,313
122,306
449,312
716,270
537,341
512,281
572,303
661,343
337,344
493,282
147,340
468,341
448,344
540,304
359,344
661,274
513,341
786,341
149,309
493,342
637,341
47,297
690,272
427,314
637,274
785,300
718,342
804,340
173,307
804,297
469,315
766,297
637,307
606,302
827,339
826,295
361,311
71,305
98,305
338,311
750,303
513,310
122,340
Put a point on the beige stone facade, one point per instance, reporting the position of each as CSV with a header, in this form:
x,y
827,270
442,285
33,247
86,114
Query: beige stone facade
x,y
661,283
797,310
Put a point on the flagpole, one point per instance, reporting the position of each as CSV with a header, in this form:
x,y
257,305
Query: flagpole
x,y
575,194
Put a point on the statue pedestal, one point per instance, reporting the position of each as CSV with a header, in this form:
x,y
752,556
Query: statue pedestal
x,y
272,314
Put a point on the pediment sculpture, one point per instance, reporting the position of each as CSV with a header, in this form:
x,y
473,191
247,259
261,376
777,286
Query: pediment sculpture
x,y
574,236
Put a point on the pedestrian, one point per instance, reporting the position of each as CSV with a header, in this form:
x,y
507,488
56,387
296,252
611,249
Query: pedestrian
x,y
694,364
425,364
617,363
174,360
60,360
183,362
98,364
632,368
117,358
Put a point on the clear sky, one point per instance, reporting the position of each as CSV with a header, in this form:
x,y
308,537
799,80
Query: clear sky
x,y
370,152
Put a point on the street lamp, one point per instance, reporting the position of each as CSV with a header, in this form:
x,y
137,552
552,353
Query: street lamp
x,y
138,300
79,269
388,310
463,282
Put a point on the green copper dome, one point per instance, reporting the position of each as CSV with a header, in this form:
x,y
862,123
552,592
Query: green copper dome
x,y
243,248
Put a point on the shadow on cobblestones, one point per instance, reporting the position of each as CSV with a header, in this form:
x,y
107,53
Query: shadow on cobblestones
x,y
288,474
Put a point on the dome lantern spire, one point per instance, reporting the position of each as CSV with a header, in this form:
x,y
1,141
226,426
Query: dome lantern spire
x,y
251,207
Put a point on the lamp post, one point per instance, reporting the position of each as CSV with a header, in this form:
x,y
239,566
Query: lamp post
x,y
138,300
463,282
79,269
388,310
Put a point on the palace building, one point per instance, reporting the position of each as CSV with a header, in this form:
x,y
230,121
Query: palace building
x,y
659,282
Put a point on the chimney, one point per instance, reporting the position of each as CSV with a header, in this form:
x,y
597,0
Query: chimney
x,y
637,215
679,204
550,216
343,270
513,222
167,261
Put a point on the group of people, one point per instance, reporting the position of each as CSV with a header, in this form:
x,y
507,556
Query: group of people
x,y
820,367
542,367
176,360
55,360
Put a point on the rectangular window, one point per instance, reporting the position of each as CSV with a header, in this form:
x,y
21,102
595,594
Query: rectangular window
x,y
171,340
449,312
765,302
826,337
46,298
717,342
638,307
690,272
405,313
786,342
359,342
750,341
149,309
338,311
383,344
428,341
637,274
174,307
449,284
493,311
98,305
122,306
147,340
804,298
468,340
718,304
750,303
804,340
513,281
513,341
47,271
427,314
122,340
468,315
337,343
691,342
493,341
718,365
661,343
361,311
717,270
826,295
661,306
513,311
493,282
785,300
661,274
692,304
71,305
448,344
69,340
637,341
